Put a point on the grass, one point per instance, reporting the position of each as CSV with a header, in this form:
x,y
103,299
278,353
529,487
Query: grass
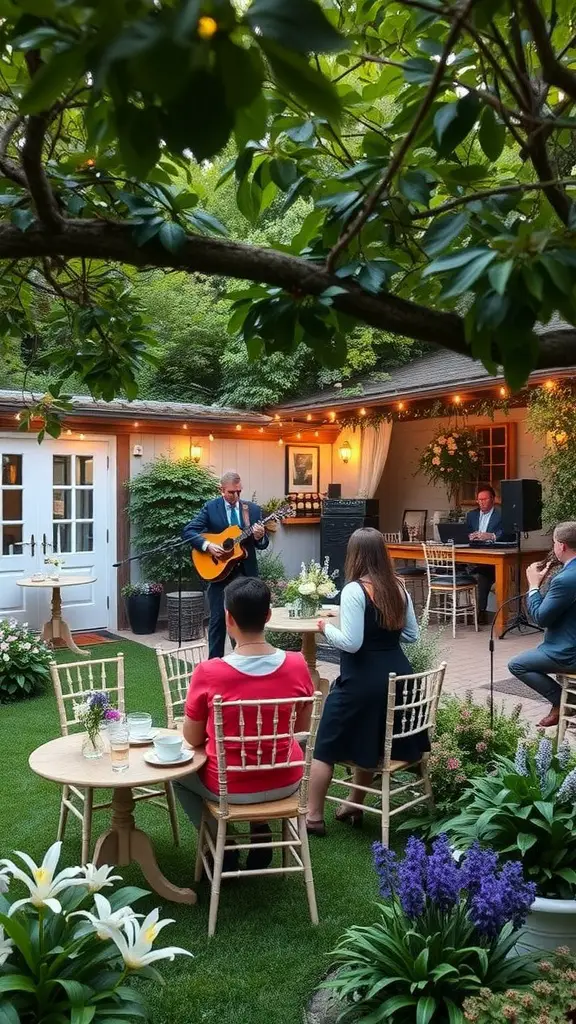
x,y
266,957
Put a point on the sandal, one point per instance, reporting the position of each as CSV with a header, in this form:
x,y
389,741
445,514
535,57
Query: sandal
x,y
316,828
354,816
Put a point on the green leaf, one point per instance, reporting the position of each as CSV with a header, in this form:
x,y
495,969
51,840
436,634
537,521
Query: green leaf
x,y
499,274
204,220
22,219
468,275
299,25
296,76
251,122
138,137
16,983
52,79
416,186
546,810
172,236
525,841
455,259
82,1014
36,38
241,72
491,134
442,231
8,1013
425,1009
453,122
283,173
202,125
149,229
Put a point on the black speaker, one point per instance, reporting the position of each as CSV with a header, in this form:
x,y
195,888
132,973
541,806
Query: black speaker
x,y
521,505
334,490
339,520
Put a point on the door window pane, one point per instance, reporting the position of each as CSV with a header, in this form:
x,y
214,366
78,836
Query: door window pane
x,y
12,505
84,537
62,504
84,503
61,538
84,470
12,470
11,539
62,470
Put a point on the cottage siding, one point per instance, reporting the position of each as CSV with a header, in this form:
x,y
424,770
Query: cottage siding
x,y
403,487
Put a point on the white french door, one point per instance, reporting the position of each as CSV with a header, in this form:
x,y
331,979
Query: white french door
x,y
55,502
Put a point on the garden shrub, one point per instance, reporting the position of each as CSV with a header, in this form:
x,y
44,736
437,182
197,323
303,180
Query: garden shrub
x,y
24,661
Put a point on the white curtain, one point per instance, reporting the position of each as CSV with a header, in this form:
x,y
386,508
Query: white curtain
x,y
373,455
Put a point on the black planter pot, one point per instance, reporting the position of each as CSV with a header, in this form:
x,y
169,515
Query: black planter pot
x,y
143,612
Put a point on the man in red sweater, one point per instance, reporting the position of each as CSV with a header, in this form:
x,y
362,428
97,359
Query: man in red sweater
x,y
254,671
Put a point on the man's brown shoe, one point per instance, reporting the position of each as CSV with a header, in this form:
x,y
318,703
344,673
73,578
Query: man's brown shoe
x,y
552,718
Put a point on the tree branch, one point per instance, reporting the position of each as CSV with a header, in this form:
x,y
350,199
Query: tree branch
x,y
38,184
487,193
396,162
10,168
114,242
553,71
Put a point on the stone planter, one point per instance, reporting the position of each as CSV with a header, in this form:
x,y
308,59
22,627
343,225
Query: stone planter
x,y
551,923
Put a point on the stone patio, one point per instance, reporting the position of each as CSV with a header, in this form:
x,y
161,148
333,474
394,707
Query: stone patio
x,y
467,657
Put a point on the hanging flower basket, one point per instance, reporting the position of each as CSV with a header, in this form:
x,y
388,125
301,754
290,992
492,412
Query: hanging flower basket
x,y
451,459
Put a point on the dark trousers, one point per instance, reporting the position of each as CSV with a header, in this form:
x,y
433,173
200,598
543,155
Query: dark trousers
x,y
486,576
532,668
217,625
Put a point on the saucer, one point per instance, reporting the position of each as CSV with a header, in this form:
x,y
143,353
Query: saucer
x,y
183,758
143,741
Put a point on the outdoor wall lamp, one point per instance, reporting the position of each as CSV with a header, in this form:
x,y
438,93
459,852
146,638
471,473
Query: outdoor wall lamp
x,y
345,452
196,453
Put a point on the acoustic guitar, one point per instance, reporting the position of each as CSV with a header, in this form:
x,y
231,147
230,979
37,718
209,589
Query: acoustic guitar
x,y
215,569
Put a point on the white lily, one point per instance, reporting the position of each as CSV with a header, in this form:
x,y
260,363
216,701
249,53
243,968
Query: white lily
x,y
5,947
136,948
99,878
4,879
43,886
106,922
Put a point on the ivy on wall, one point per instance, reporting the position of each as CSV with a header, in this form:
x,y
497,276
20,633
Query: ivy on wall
x,y
450,410
552,418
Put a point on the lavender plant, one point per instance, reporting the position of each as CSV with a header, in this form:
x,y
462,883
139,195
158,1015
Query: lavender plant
x,y
526,810
446,932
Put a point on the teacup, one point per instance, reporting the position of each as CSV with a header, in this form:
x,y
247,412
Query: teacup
x,y
140,724
168,748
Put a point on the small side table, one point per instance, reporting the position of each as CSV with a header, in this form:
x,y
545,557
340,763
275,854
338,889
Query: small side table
x,y
56,628
281,622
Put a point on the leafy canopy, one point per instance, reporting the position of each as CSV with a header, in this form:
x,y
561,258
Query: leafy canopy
x,y
430,144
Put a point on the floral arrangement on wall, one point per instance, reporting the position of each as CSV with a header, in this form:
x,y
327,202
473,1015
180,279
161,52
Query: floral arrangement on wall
x,y
451,458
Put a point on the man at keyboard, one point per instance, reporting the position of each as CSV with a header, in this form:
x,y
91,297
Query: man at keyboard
x,y
484,525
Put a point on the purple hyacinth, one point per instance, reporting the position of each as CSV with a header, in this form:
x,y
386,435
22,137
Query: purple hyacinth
x,y
475,866
500,899
443,880
98,700
386,869
521,759
518,895
543,758
411,878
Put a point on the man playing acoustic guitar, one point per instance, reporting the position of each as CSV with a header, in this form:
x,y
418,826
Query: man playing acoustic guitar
x,y
214,517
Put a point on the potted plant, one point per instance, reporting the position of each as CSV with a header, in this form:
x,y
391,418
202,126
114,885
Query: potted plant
x,y
307,591
270,506
67,952
24,661
550,999
527,809
143,606
446,932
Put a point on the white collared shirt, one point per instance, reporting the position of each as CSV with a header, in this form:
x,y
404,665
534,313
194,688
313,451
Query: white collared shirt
x,y
484,520
230,509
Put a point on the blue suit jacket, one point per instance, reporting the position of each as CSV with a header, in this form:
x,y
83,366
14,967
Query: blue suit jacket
x,y
556,612
494,523
212,518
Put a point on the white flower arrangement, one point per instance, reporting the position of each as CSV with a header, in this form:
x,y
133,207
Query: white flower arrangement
x,y
314,583
55,561
451,458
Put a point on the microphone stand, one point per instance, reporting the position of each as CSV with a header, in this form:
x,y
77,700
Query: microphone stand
x,y
170,545
520,622
509,600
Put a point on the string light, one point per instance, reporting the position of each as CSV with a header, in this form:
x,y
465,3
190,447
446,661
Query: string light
x,y
549,385
238,426
457,400
184,426
400,406
276,416
136,423
81,437
210,437
17,416
261,430
298,436
309,418
280,442
69,432
316,434
362,412
332,416
504,392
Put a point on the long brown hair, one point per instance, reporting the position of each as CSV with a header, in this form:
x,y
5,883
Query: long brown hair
x,y
367,557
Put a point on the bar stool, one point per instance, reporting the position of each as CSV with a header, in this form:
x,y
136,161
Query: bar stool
x,y
567,719
412,576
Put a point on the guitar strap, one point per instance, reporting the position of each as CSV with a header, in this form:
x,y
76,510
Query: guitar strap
x,y
245,515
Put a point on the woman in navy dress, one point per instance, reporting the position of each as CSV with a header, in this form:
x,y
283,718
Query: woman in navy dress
x,y
376,614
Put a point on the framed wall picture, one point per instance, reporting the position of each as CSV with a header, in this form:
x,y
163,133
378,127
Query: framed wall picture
x,y
302,468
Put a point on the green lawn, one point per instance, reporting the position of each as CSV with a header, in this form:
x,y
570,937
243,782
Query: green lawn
x,y
266,957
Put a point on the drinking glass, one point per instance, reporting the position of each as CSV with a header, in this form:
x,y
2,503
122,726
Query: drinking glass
x,y
119,737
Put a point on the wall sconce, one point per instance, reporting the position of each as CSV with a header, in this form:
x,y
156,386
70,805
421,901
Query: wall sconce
x,y
195,453
345,452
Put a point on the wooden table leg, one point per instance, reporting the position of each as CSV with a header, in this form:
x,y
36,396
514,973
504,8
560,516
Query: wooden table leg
x,y
309,652
124,844
57,628
500,591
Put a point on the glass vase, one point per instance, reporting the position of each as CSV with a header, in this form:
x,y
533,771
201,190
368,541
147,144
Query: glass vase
x,y
309,608
92,746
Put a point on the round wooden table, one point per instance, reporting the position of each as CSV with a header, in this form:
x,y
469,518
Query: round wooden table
x,y
56,628
61,761
308,628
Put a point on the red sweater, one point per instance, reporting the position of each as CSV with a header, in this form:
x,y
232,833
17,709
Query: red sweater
x,y
290,680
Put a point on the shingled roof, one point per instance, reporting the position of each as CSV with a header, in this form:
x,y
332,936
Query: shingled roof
x,y
121,408
429,375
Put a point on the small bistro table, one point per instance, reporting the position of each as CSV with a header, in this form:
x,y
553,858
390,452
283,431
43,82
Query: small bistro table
x,y
281,622
61,761
504,560
56,628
